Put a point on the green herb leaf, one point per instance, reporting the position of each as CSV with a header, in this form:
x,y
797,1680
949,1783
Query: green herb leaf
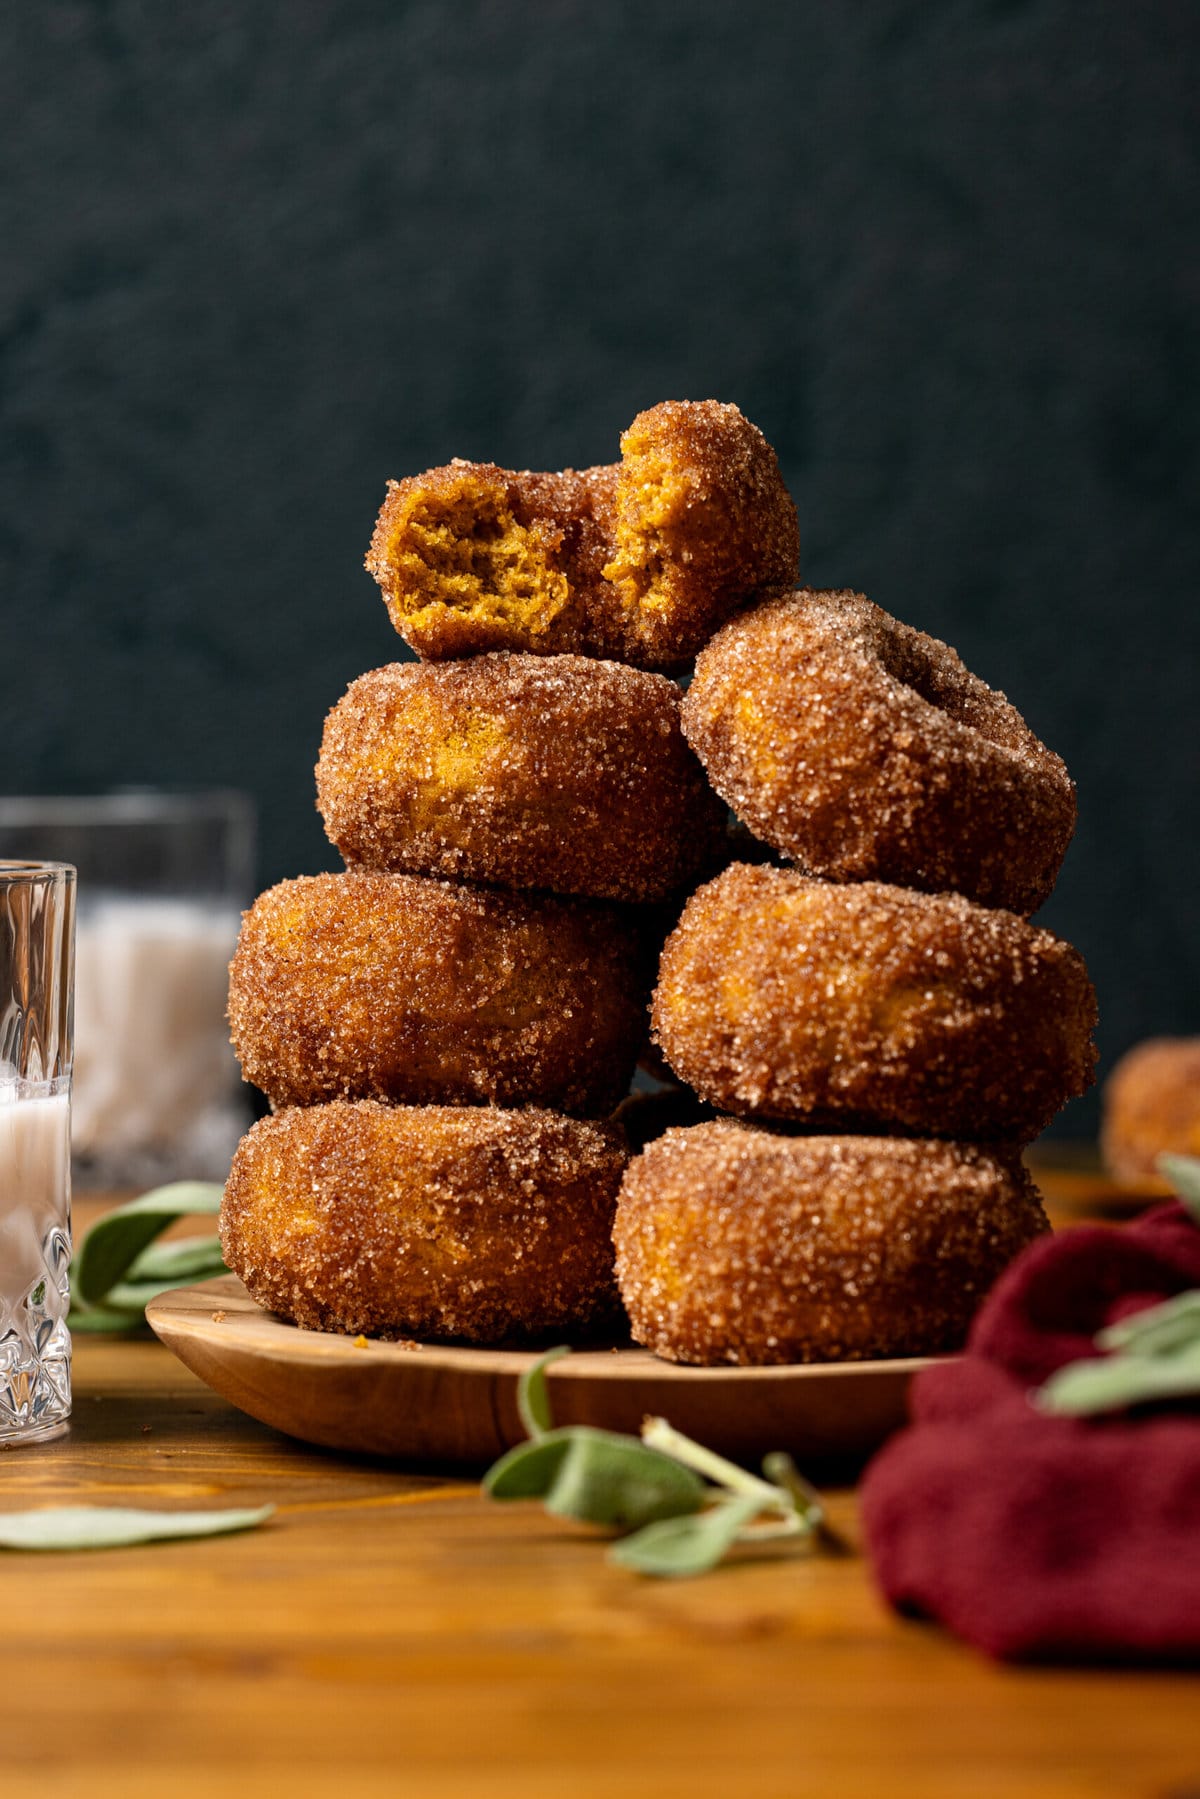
x,y
677,1547
529,1470
1109,1383
110,1250
192,1258
596,1477
112,1527
1183,1173
533,1401
105,1319
655,1486
617,1482
1158,1330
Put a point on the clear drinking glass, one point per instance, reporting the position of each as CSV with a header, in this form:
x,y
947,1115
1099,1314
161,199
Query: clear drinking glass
x,y
163,877
37,945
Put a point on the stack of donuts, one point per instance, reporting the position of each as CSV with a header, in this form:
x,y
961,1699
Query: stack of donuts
x,y
444,1029
869,1034
880,1018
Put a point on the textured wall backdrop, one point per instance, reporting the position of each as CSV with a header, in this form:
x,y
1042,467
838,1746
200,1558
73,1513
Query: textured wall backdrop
x,y
258,255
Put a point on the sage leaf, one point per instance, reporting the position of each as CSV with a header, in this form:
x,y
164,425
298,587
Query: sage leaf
x,y
656,1487
1158,1330
1183,1173
533,1401
677,1547
105,1319
528,1471
1109,1383
114,1243
596,1477
192,1258
615,1481
114,1527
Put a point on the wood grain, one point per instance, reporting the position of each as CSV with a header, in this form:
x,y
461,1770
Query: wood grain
x,y
458,1406
393,1633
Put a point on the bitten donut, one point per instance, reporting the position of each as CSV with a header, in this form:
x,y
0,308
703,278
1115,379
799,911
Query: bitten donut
x,y
864,750
428,1221
556,772
740,1245
868,1005
374,986
638,561
1151,1107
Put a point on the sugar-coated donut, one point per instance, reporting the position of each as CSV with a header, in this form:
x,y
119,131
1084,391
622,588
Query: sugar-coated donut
x,y
703,521
846,1007
864,750
425,1221
736,1244
638,561
395,987
559,772
1151,1107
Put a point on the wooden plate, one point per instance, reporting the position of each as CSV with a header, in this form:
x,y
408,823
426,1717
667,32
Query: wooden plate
x,y
431,1403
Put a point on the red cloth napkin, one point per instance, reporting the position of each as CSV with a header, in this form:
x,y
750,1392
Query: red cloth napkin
x,y
1040,1538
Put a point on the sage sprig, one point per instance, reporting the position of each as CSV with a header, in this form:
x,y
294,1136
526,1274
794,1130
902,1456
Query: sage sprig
x,y
1183,1173
1153,1354
119,1266
681,1507
116,1526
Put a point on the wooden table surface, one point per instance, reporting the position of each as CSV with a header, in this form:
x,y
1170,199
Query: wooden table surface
x,y
392,1632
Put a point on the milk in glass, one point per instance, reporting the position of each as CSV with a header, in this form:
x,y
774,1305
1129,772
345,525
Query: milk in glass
x,y
35,1252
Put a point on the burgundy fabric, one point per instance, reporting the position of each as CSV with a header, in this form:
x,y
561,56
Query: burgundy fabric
x,y
1049,1538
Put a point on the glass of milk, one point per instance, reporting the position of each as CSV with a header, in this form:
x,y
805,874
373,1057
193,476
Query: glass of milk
x,y
37,925
157,1093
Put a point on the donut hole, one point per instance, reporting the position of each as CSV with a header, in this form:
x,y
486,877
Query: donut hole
x,y
462,548
932,671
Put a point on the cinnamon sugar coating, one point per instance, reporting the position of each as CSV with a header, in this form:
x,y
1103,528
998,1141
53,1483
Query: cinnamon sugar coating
x,y
704,521
847,1007
863,749
638,562
429,1222
736,1244
394,987
560,772
1151,1107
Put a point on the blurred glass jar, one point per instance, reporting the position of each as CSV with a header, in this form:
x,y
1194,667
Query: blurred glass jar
x,y
162,879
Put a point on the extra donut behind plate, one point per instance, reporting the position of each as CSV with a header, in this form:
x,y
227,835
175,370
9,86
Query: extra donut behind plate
x,y
736,1244
864,750
1151,1107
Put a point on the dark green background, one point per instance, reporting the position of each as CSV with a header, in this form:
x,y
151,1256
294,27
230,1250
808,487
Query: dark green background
x,y
258,257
